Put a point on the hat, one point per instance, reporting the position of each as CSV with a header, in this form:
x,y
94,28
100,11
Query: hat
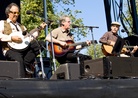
x,y
115,23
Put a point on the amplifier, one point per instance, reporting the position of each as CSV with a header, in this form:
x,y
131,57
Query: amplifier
x,y
10,69
124,66
67,71
96,68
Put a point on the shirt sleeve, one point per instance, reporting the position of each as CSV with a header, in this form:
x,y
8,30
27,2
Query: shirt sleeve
x,y
104,39
3,37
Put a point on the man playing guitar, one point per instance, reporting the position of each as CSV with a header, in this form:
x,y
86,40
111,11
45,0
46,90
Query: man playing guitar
x,y
63,41
24,56
109,38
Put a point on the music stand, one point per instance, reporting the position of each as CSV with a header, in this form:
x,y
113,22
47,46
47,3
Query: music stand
x,y
118,46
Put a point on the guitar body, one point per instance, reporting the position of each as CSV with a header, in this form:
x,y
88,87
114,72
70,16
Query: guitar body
x,y
61,51
107,50
19,46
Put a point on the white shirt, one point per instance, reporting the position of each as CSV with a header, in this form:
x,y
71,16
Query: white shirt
x,y
7,38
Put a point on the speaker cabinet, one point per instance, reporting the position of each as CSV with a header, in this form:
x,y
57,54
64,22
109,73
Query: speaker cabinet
x,y
10,69
67,71
124,66
96,68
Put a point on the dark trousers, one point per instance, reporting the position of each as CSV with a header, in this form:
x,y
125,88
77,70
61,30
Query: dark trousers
x,y
25,57
72,58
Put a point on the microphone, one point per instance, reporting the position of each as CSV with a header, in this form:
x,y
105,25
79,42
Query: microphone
x,y
75,26
124,31
33,13
30,12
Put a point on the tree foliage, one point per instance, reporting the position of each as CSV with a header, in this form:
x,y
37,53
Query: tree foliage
x,y
95,51
37,6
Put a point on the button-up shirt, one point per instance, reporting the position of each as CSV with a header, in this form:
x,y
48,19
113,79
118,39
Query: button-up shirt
x,y
108,37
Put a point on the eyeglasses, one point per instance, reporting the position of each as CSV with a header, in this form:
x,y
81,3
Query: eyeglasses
x,y
15,12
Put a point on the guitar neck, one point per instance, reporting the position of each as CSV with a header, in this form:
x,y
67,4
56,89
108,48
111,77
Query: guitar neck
x,y
128,46
83,43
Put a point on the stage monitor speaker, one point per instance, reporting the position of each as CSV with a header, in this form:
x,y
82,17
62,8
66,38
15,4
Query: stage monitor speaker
x,y
67,71
96,68
124,66
10,69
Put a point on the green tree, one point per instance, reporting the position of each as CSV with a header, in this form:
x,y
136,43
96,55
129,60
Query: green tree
x,y
37,6
95,51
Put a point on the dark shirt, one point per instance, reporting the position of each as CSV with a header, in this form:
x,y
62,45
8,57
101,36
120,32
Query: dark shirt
x,y
108,37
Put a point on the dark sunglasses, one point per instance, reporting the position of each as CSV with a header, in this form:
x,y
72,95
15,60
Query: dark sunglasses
x,y
15,12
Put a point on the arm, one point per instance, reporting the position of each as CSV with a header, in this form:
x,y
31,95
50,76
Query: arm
x,y
134,49
54,38
81,46
35,32
105,39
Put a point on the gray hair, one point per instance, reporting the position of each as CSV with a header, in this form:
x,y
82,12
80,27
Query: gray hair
x,y
7,10
62,19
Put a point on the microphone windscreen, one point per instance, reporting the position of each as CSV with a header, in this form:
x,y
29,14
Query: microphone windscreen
x,y
74,26
28,12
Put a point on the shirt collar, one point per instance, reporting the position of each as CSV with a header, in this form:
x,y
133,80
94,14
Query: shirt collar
x,y
8,21
63,30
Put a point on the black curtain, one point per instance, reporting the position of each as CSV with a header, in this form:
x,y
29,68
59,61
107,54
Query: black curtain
x,y
4,4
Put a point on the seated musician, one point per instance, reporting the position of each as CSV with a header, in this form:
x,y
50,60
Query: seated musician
x,y
24,55
110,38
62,38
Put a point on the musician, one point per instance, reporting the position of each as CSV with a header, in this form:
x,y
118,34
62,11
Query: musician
x,y
10,25
110,37
61,36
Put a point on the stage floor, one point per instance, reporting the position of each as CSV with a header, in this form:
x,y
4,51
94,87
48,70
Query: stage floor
x,y
86,88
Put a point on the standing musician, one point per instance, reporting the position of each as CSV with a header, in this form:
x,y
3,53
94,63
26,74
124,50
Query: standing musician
x,y
10,26
62,40
109,39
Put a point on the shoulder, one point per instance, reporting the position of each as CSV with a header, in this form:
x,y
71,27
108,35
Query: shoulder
x,y
2,21
56,30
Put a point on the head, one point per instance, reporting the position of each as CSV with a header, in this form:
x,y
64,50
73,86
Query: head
x,y
115,27
12,12
65,22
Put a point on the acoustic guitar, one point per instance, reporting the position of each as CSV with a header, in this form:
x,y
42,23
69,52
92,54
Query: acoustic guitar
x,y
60,51
107,49
25,39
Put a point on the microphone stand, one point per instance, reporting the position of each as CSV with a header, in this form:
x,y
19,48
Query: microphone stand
x,y
53,54
91,29
41,59
77,54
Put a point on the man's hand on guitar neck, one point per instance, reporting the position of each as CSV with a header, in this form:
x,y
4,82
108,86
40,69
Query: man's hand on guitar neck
x,y
42,26
88,42
135,48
